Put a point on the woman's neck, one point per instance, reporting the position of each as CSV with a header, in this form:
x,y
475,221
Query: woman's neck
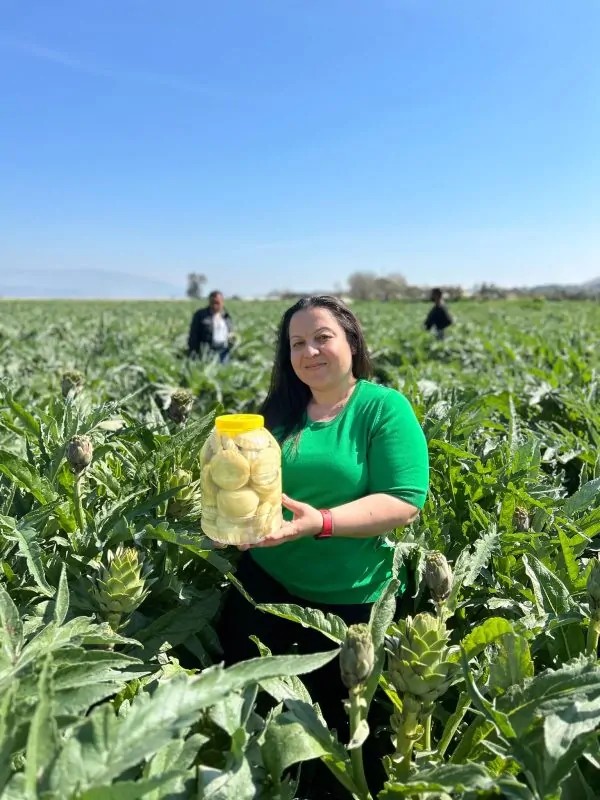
x,y
337,396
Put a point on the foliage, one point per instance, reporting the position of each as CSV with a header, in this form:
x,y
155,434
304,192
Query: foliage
x,y
110,669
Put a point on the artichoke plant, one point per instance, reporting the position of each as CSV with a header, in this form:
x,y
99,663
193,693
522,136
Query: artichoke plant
x,y
418,657
71,383
420,670
593,588
357,655
79,453
121,586
438,576
593,593
187,503
357,660
521,520
182,402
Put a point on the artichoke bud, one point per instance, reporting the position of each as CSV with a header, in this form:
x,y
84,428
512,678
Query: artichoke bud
x,y
357,655
521,520
187,503
71,383
181,405
79,453
181,477
593,587
122,586
438,576
418,657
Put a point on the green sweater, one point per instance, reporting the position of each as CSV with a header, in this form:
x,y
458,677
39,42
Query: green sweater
x,y
375,445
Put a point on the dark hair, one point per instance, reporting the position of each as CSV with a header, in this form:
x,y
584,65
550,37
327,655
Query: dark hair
x,y
215,293
436,294
288,396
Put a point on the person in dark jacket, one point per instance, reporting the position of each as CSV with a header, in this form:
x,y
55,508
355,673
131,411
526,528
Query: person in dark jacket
x,y
211,329
438,317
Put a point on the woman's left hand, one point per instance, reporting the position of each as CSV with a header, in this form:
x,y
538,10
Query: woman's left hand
x,y
307,522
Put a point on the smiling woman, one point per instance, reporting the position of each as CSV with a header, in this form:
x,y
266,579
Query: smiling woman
x,y
322,358
354,467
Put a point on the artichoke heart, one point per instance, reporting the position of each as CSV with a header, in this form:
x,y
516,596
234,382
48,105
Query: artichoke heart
x,y
265,468
209,513
208,520
259,439
270,493
269,523
264,509
229,470
263,519
211,446
208,487
234,531
275,521
240,484
238,503
210,529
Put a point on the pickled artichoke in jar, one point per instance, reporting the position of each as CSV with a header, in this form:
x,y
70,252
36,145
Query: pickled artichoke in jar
x,y
240,465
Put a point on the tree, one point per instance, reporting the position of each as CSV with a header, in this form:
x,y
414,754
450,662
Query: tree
x,y
361,285
195,285
368,286
390,287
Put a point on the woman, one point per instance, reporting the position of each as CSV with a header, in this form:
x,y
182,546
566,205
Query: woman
x,y
354,467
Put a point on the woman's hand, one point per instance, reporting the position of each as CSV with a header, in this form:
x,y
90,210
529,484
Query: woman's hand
x,y
307,522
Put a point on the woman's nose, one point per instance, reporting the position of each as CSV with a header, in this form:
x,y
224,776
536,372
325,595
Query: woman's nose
x,y
311,350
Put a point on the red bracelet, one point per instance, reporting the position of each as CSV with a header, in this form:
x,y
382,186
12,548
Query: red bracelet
x,y
327,529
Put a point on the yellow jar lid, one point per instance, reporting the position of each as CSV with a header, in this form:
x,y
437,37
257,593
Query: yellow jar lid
x,y
232,424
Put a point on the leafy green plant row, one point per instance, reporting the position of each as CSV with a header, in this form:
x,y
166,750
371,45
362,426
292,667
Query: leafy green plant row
x,y
110,596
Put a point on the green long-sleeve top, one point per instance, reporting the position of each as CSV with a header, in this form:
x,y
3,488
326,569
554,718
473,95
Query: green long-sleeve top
x,y
375,445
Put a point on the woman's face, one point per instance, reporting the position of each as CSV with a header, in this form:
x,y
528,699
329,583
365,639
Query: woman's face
x,y
320,354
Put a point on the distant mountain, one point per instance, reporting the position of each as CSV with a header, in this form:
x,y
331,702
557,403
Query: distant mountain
x,y
593,284
84,284
587,289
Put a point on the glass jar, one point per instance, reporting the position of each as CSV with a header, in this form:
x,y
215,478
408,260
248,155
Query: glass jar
x,y
241,480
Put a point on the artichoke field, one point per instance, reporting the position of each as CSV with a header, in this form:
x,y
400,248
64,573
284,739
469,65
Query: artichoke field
x,y
111,679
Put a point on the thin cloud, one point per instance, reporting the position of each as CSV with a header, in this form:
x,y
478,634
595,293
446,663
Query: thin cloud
x,y
135,76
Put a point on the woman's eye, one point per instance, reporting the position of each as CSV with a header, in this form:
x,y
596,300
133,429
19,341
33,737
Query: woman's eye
x,y
296,345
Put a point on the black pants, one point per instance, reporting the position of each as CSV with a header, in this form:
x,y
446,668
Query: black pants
x,y
240,619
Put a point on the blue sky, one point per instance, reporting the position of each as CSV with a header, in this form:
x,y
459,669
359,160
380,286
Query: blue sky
x,y
279,144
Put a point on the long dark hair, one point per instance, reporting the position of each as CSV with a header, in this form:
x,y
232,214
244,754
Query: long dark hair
x,y
288,396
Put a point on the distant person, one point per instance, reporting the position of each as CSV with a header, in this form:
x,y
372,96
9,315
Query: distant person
x,y
211,329
438,318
